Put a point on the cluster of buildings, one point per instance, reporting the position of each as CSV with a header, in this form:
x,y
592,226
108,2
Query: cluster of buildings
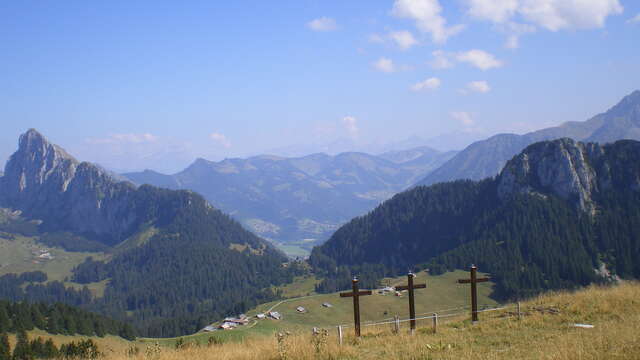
x,y
390,290
42,254
231,323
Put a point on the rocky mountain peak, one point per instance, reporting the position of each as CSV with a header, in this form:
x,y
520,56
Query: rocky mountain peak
x,y
560,167
45,182
629,106
35,163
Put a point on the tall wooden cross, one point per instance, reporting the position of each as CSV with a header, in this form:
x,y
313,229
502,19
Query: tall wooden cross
x,y
474,291
355,294
412,307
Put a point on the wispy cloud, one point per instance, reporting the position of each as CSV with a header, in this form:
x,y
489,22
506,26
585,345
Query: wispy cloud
x,y
634,20
479,59
323,24
351,125
441,60
385,65
123,138
428,84
220,139
477,87
403,39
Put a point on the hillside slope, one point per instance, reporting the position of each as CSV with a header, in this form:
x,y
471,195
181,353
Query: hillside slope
x,y
557,211
486,158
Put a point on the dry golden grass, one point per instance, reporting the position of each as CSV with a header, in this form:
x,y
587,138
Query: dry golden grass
x,y
541,334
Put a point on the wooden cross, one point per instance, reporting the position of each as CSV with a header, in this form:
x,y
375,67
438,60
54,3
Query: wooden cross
x,y
355,294
474,291
412,307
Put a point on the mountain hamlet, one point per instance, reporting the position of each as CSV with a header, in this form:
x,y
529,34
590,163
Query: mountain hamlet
x,y
554,209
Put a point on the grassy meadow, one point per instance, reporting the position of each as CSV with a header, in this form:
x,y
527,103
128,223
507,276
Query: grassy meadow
x,y
16,256
442,293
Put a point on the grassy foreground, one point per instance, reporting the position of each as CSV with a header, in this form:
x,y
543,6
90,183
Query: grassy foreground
x,y
546,331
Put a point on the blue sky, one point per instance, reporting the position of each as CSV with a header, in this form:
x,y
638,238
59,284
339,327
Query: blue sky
x,y
157,83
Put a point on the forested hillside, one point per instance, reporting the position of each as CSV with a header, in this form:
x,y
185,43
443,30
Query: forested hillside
x,y
558,212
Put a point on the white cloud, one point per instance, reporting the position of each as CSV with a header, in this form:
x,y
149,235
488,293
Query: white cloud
x,y
464,118
478,86
556,15
552,15
322,24
426,14
220,139
493,10
479,58
351,125
634,20
441,60
384,65
123,139
429,84
404,39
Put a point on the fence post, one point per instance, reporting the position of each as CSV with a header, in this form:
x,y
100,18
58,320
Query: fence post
x,y
435,322
339,334
396,324
519,313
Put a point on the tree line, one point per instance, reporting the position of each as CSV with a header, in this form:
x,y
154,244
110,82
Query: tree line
x,y
38,348
59,319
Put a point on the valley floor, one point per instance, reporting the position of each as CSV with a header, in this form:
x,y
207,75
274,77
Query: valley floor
x,y
546,331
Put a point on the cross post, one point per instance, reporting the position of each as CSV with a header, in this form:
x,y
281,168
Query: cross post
x,y
412,305
474,291
355,294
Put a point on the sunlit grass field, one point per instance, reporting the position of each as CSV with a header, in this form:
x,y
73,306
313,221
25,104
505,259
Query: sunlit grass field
x,y
442,292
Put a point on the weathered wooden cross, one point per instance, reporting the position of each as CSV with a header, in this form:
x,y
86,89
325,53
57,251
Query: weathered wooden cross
x,y
474,291
355,294
412,307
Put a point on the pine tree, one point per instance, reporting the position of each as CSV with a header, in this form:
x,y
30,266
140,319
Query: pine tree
x,y
22,350
5,347
50,350
5,321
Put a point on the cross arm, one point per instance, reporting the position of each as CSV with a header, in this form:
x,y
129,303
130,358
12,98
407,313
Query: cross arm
x,y
406,287
360,293
468,281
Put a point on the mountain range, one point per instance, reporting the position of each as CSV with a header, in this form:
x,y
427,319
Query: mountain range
x,y
486,158
560,214
292,199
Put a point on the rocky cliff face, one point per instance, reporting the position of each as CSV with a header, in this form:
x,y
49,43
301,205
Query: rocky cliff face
x,y
566,168
45,182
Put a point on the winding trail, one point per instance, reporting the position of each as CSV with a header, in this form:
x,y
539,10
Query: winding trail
x,y
289,300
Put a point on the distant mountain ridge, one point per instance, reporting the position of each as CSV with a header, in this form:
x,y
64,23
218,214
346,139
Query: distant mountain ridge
x,y
486,158
291,199
560,214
